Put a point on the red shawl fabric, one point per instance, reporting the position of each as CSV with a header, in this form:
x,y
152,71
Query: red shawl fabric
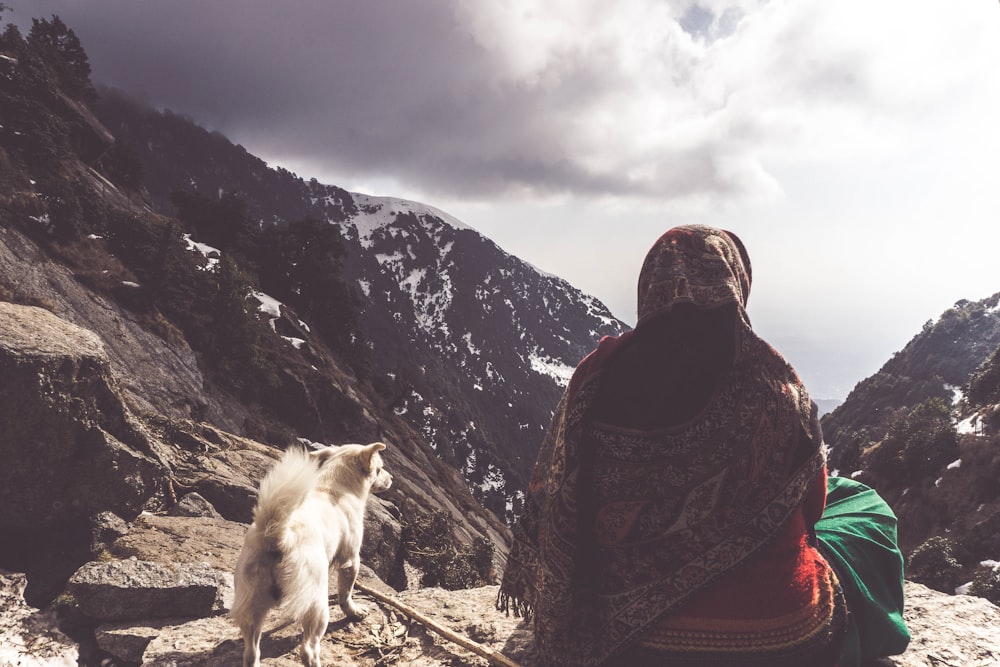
x,y
622,526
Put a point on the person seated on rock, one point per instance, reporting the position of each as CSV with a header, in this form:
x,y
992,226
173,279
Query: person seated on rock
x,y
675,515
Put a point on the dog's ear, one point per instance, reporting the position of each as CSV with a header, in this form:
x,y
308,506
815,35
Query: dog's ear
x,y
369,454
321,456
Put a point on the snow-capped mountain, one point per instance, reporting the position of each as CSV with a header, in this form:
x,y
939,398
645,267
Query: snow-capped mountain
x,y
472,345
469,344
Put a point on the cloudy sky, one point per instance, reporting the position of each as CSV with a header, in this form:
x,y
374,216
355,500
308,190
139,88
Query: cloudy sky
x,y
852,145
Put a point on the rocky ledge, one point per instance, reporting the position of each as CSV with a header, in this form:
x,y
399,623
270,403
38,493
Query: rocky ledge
x,y
159,596
957,631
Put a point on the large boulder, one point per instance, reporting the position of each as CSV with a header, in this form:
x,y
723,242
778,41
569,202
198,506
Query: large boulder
x,y
181,539
71,448
131,589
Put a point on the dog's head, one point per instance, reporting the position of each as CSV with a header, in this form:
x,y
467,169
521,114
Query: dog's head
x,y
357,468
381,479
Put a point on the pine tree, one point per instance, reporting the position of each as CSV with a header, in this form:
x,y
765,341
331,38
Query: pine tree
x,y
57,44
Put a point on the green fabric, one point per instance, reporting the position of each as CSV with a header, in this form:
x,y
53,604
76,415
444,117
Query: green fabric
x,y
857,534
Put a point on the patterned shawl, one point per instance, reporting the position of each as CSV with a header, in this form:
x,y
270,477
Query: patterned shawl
x,y
621,526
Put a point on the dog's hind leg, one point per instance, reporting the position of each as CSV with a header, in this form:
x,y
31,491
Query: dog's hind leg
x,y
249,610
251,630
314,624
346,577
256,594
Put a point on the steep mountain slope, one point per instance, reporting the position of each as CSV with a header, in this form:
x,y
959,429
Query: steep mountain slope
x,y
191,349
473,345
467,343
936,362
922,431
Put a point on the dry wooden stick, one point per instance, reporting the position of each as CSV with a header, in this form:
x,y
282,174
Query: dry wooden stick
x,y
480,650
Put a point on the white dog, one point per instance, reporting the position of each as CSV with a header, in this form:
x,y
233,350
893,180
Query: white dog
x,y
309,517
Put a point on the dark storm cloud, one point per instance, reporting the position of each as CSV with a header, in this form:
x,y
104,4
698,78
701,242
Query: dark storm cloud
x,y
381,88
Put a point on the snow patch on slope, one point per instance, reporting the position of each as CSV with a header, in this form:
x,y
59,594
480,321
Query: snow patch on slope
x,y
557,370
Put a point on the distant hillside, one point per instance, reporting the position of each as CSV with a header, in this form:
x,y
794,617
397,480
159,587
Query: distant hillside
x,y
469,344
923,431
936,362
827,405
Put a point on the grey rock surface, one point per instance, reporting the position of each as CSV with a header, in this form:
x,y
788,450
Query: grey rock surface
x,y
194,505
106,527
948,630
224,469
177,540
159,376
382,549
70,446
133,589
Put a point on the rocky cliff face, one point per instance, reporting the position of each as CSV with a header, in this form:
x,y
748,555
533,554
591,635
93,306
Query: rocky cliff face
x,y
157,374
935,363
86,482
71,448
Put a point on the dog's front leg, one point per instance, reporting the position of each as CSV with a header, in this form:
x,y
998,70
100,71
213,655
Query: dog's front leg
x,y
346,576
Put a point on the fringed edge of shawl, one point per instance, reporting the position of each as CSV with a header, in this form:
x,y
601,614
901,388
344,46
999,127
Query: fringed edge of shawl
x,y
517,589
508,603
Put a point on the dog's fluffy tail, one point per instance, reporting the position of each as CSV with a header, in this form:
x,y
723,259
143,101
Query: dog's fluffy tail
x,y
268,566
283,489
282,574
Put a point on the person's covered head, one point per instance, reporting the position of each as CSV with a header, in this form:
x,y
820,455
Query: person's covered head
x,y
694,264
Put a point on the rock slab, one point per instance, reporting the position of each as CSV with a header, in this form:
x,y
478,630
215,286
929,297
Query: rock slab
x,y
130,590
949,630
71,448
